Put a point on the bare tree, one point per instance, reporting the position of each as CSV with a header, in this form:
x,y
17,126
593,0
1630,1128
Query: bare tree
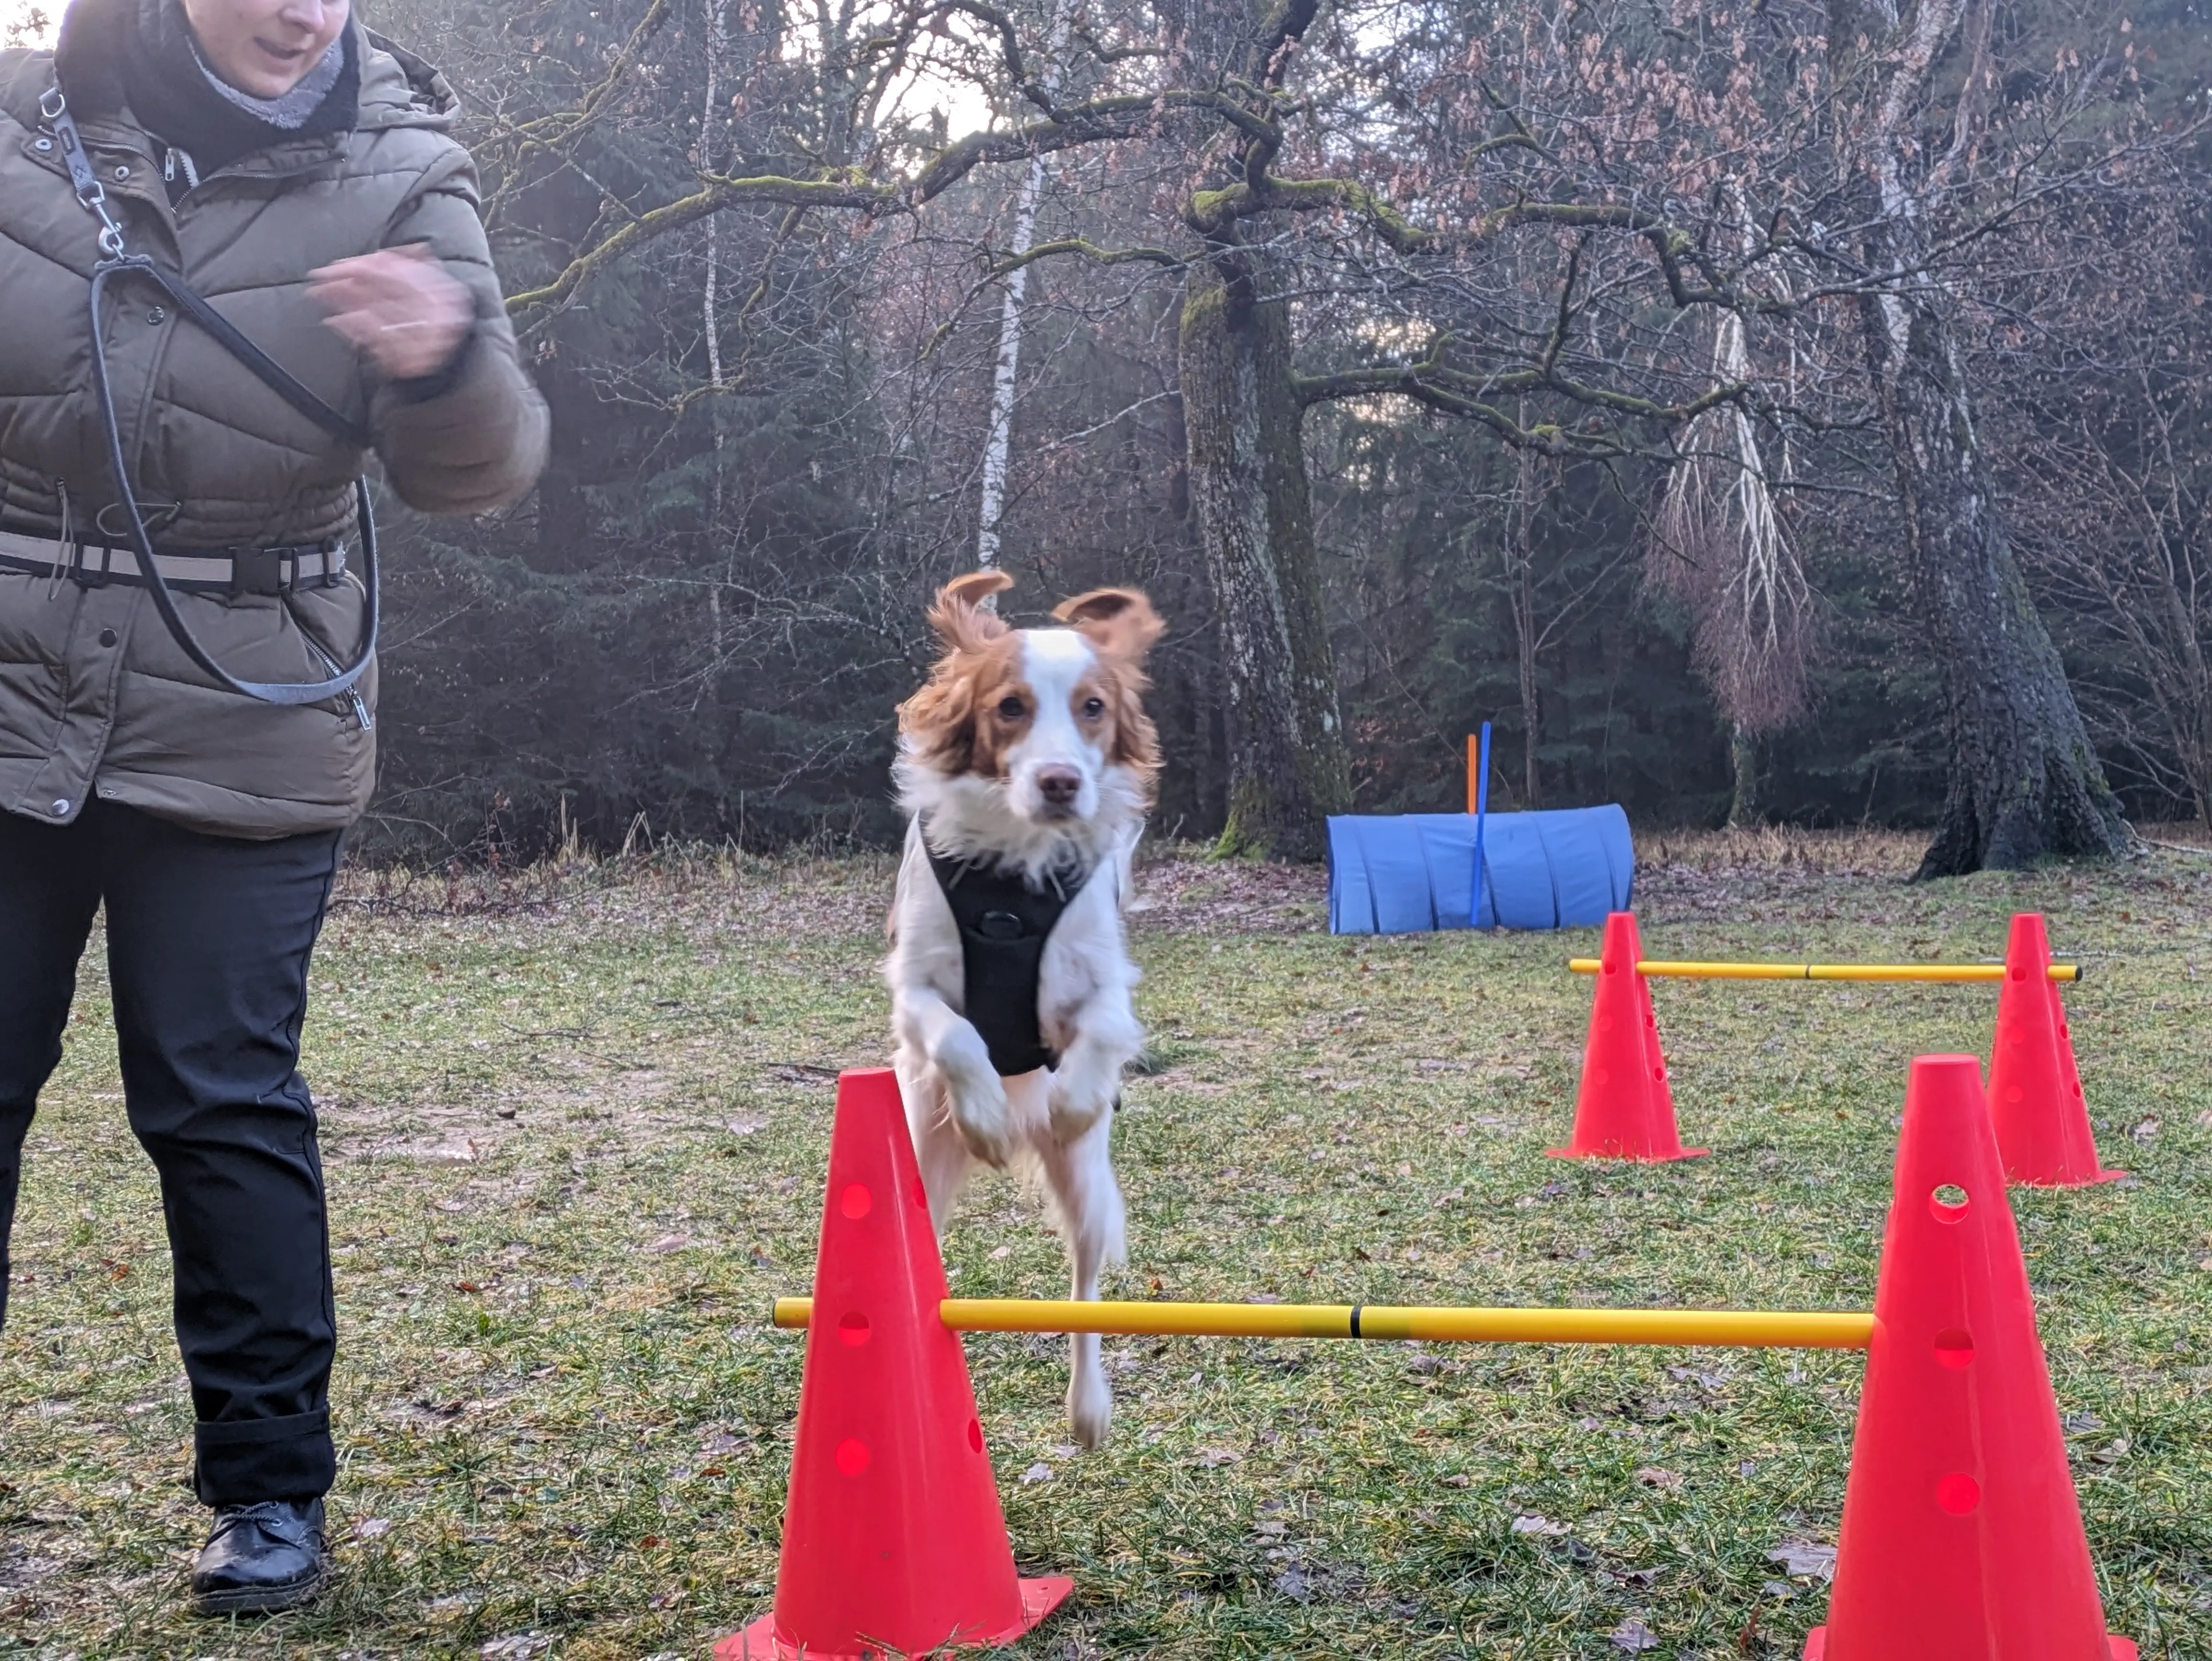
x,y
1495,215
2101,405
2025,778
1217,89
2127,554
1720,544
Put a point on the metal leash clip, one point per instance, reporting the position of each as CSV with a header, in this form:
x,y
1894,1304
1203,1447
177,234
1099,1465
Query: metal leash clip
x,y
53,109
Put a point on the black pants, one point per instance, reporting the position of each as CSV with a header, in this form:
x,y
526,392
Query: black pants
x,y
208,942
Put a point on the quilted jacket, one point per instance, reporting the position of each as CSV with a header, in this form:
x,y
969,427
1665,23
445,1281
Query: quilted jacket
x,y
95,698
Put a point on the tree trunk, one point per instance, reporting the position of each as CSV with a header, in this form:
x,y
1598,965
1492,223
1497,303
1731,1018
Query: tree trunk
x,y
1287,767
1522,553
999,436
2196,761
1745,809
2024,782
710,319
1531,711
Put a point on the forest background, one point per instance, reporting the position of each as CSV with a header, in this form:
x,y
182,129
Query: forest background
x,y
1764,411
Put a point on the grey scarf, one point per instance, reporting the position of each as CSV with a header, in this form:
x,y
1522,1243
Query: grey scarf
x,y
290,111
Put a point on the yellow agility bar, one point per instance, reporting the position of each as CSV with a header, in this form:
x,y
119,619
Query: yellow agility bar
x,y
1823,972
1734,1328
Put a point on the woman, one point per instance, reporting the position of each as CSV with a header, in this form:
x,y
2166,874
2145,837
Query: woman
x,y
297,172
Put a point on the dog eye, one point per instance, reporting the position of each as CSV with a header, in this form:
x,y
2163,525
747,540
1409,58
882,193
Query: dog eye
x,y
1093,708
1010,708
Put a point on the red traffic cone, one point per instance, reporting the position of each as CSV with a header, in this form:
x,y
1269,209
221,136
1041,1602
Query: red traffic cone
x,y
2035,1093
893,1540
1961,1534
1625,1109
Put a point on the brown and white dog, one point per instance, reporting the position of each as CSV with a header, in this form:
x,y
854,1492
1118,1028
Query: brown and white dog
x,y
1025,765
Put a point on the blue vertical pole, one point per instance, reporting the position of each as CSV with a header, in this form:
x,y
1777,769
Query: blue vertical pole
x,y
1481,814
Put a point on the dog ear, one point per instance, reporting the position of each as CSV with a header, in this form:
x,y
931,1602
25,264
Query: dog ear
x,y
1117,620
940,718
1136,740
957,614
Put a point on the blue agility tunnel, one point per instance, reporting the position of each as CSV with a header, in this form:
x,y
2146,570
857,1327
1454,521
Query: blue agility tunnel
x,y
1413,872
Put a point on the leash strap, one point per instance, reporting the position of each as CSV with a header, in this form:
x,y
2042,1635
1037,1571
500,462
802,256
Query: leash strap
x,y
93,196
273,374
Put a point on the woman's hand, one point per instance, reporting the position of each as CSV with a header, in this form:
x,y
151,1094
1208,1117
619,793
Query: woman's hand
x,y
398,306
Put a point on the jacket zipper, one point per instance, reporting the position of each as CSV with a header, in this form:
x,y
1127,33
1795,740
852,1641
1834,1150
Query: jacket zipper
x,y
170,158
331,667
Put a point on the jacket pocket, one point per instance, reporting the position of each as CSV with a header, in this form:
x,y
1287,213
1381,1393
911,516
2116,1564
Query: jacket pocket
x,y
329,621
34,617
250,764
255,637
34,623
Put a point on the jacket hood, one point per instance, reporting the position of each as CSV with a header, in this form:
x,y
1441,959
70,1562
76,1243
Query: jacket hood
x,y
398,89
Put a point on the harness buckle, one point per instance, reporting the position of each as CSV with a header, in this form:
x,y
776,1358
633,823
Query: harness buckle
x,y
257,571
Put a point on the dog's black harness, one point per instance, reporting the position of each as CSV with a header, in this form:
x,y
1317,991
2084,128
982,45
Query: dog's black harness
x,y
1004,925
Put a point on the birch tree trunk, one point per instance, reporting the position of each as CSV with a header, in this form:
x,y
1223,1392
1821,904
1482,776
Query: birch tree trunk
x,y
711,312
1287,766
998,444
1521,556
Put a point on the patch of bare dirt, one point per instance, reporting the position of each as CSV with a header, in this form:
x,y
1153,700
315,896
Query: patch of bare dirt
x,y
703,894
1180,892
629,1108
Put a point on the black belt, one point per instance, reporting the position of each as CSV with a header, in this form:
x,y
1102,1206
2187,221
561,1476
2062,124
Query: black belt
x,y
231,572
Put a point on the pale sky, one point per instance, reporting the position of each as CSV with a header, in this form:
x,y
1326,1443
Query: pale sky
x,y
14,11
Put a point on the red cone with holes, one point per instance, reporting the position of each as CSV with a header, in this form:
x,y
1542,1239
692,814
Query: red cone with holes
x,y
1961,1535
2035,1092
1625,1109
893,1541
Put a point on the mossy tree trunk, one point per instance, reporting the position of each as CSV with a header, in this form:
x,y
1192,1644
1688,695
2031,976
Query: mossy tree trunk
x,y
2024,781
1746,810
1287,765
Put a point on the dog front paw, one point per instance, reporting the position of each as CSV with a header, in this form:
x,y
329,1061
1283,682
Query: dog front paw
x,y
1078,1098
979,1114
975,1095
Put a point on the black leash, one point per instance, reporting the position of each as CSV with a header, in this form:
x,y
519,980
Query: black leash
x,y
89,192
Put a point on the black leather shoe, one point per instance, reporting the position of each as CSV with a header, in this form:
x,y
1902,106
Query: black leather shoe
x,y
260,1558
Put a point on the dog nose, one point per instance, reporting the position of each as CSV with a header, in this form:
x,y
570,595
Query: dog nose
x,y
1058,785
